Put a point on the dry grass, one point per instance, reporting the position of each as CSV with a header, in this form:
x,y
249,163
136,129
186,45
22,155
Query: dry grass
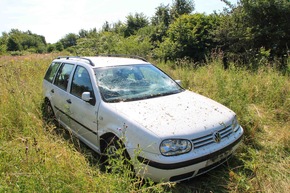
x,y
35,159
262,102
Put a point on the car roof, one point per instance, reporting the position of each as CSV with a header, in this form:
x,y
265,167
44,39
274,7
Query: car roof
x,y
104,61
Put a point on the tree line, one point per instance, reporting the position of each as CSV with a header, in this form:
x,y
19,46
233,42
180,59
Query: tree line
x,y
254,32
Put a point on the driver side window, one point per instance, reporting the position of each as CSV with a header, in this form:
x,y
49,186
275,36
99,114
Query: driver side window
x,y
81,83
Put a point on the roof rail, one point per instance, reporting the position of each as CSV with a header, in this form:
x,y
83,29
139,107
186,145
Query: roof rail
x,y
79,57
122,55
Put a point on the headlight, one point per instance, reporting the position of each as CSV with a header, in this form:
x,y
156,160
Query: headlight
x,y
235,124
170,147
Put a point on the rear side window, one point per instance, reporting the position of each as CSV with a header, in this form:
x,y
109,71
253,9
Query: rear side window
x,y
62,77
50,74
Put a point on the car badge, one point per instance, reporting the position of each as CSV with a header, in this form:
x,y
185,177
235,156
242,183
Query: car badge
x,y
217,137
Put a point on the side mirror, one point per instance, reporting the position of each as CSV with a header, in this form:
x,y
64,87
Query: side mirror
x,y
86,96
178,82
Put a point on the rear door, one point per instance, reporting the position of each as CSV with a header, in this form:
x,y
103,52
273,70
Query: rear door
x,y
60,95
48,87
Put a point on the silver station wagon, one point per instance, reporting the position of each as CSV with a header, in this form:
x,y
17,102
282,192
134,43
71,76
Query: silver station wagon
x,y
173,133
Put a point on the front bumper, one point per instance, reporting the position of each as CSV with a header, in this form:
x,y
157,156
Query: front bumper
x,y
183,170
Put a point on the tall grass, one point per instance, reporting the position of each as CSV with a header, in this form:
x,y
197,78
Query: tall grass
x,y
32,157
35,158
261,100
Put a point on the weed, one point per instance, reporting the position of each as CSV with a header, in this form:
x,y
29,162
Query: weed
x,y
39,157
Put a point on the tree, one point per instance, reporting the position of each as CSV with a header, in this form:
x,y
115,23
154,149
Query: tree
x,y
14,40
268,22
106,26
107,43
69,40
135,45
254,26
229,4
3,43
20,41
119,28
181,7
14,43
189,36
51,48
59,46
83,33
134,23
160,21
162,16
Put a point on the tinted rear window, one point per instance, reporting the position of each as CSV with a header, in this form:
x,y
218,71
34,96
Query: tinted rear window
x,y
63,74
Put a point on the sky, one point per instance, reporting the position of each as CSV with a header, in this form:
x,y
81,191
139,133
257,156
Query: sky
x,y
53,19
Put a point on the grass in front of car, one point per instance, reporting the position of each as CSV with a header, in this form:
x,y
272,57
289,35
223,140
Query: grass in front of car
x,y
35,158
262,102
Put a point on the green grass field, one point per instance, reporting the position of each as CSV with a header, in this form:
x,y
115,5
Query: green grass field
x,y
38,157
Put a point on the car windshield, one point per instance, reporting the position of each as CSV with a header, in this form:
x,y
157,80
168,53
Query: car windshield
x,y
134,82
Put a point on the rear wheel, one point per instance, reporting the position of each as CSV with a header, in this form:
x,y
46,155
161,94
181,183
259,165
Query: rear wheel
x,y
48,112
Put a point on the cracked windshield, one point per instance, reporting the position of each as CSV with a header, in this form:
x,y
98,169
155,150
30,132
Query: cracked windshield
x,y
134,82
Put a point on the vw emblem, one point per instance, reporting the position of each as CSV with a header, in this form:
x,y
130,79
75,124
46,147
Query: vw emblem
x,y
217,137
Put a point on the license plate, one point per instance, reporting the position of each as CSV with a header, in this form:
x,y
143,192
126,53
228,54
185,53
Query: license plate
x,y
218,157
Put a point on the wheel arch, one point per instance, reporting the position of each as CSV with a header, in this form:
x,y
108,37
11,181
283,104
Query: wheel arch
x,y
104,138
46,99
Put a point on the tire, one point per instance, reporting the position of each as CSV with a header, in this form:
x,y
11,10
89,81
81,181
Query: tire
x,y
114,148
116,157
48,113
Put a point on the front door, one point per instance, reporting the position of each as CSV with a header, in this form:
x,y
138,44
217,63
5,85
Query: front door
x,y
84,114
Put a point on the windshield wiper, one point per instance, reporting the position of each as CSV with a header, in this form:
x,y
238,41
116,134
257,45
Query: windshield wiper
x,y
143,97
167,93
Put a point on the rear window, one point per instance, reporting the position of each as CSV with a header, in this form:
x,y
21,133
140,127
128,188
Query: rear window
x,y
62,77
50,74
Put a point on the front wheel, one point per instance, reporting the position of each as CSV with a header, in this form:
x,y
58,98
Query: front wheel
x,y
117,158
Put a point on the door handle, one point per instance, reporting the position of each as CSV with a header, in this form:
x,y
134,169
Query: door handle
x,y
52,90
68,101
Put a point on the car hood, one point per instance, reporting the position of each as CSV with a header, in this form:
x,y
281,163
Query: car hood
x,y
182,114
